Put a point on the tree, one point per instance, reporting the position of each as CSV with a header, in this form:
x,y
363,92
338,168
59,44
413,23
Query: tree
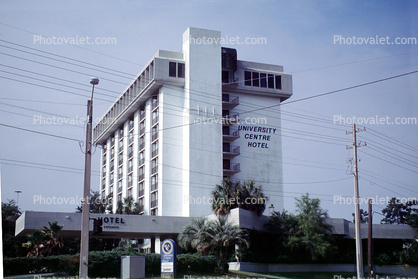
x,y
10,212
45,242
216,235
311,234
189,238
245,195
305,234
127,245
97,204
251,197
222,196
364,217
397,213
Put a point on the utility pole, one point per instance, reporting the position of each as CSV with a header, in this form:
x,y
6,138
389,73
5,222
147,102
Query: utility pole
x,y
370,239
359,250
85,215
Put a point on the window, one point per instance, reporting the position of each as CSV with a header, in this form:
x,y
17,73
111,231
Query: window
x,y
141,189
247,77
225,76
154,165
130,166
154,148
154,199
181,70
120,172
141,158
172,69
278,82
120,197
176,69
263,80
256,79
270,81
154,182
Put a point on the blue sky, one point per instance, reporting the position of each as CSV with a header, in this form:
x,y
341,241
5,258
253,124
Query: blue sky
x,y
300,36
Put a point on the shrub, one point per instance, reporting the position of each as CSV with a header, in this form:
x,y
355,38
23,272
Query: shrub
x,y
104,264
410,254
193,263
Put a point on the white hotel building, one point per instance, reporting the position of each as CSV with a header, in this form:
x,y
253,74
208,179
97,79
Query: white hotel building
x,y
173,133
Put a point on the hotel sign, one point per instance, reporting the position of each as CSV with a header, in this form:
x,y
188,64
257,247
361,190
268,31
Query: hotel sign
x,y
168,258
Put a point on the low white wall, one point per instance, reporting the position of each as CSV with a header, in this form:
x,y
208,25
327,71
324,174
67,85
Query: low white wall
x,y
262,267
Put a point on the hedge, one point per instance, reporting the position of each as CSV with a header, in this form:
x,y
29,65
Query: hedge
x,y
104,264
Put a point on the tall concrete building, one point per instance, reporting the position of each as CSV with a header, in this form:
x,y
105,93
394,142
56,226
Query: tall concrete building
x,y
189,119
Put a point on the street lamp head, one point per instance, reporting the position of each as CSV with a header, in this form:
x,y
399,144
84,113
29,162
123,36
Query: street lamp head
x,y
94,81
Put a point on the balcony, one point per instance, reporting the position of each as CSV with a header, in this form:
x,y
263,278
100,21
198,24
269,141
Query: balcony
x,y
131,154
130,169
141,177
154,136
112,167
230,119
155,120
131,125
141,192
154,170
140,208
229,135
154,153
142,131
229,101
141,146
154,203
228,80
131,139
121,159
141,161
154,104
154,186
233,169
141,115
230,151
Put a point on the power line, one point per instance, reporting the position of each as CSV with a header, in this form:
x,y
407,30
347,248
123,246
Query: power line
x,y
37,132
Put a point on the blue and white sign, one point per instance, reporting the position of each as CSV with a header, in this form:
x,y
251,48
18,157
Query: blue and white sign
x,y
168,256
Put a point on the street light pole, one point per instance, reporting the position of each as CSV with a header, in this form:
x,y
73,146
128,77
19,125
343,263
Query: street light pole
x,y
85,215
17,200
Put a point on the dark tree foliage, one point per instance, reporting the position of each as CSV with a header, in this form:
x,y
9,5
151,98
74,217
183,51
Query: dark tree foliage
x,y
12,245
97,203
397,212
246,195
364,217
305,237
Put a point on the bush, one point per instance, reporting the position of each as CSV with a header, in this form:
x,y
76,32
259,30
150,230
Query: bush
x,y
104,264
194,263
410,255
383,259
24,265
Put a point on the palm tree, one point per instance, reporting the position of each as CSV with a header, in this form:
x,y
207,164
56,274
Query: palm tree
x,y
222,196
45,242
35,241
251,197
128,203
246,195
119,208
217,235
127,245
189,238
53,241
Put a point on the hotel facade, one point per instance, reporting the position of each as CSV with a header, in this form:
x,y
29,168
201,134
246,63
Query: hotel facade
x,y
188,120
